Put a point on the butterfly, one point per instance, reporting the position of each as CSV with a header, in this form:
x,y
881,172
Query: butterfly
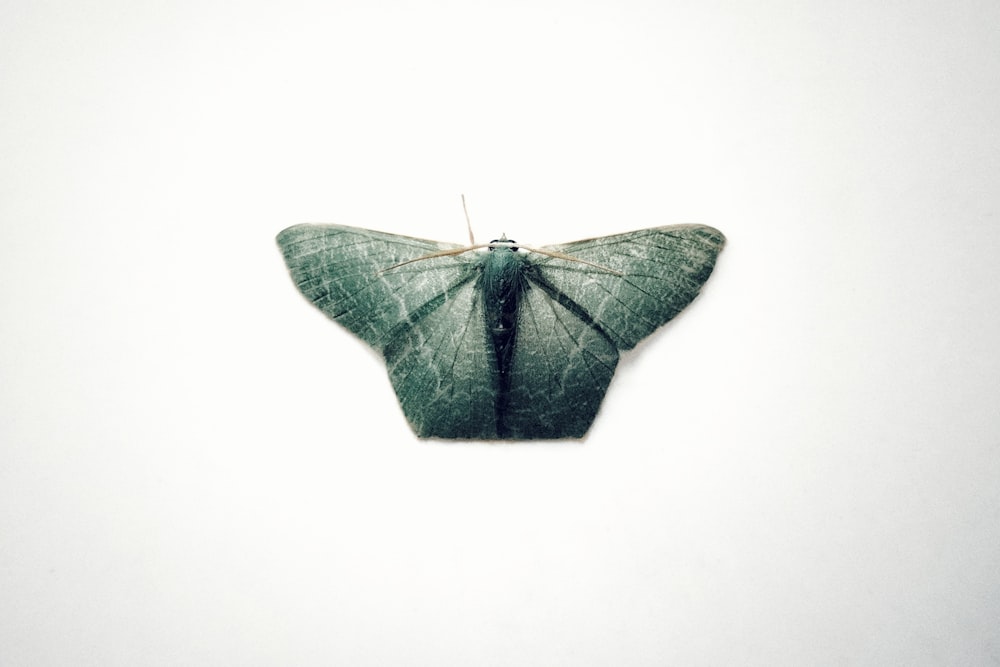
x,y
500,341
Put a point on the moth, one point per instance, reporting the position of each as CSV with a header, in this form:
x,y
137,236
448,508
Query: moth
x,y
500,341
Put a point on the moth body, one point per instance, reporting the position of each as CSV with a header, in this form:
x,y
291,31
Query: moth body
x,y
502,285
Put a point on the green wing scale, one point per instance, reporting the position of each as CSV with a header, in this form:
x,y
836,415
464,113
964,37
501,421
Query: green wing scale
x,y
506,343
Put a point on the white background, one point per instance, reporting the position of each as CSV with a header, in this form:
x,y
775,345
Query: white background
x,y
197,468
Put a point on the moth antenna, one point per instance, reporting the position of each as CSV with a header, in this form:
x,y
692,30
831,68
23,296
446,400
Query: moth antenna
x,y
445,253
468,223
569,258
439,253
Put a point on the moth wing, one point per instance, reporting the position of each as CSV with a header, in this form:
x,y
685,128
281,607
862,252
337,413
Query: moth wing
x,y
440,363
575,317
654,273
425,317
347,273
560,371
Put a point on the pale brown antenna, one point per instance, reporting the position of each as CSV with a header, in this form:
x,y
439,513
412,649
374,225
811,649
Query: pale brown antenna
x,y
496,244
468,223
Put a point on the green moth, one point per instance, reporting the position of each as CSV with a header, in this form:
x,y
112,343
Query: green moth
x,y
500,341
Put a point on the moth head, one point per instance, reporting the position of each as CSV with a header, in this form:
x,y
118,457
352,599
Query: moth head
x,y
503,242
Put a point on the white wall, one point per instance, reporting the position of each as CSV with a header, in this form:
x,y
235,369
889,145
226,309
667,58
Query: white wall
x,y
197,468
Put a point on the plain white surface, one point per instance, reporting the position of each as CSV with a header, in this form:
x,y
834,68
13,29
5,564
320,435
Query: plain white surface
x,y
198,469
